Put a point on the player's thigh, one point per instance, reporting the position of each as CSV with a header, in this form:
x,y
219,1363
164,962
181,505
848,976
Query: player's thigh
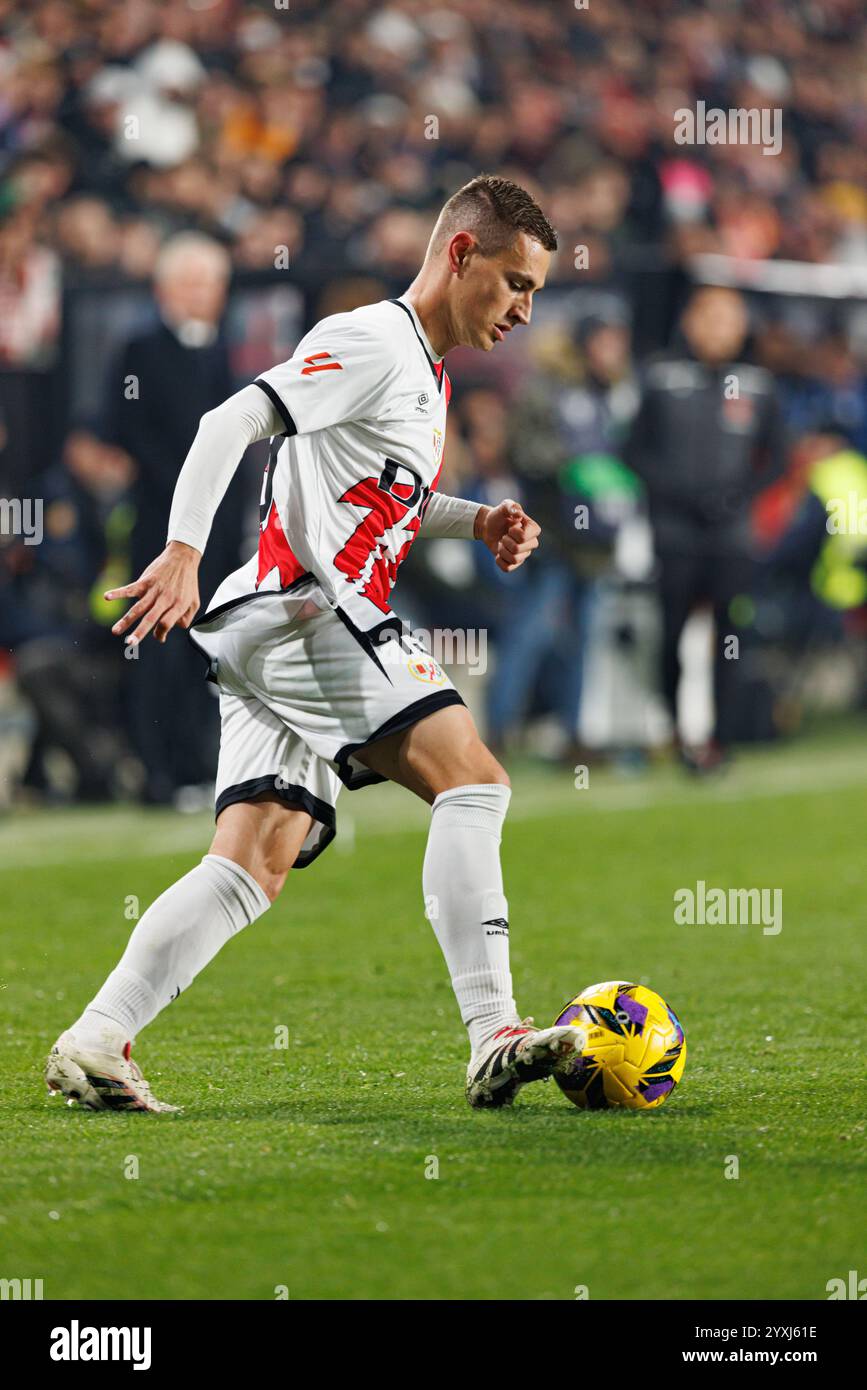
x,y
440,751
264,836
274,797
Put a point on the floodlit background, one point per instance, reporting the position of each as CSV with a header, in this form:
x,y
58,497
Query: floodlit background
x,y
313,145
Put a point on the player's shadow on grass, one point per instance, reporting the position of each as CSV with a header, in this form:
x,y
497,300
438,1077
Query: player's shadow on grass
x,y
389,1115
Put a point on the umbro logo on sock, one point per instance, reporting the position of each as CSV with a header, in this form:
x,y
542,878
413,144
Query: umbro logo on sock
x,y
499,924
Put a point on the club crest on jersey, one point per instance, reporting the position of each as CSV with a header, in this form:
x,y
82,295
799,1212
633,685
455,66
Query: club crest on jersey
x,y
425,669
437,446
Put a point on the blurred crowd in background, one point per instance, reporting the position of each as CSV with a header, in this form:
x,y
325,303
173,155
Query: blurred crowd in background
x,y
186,187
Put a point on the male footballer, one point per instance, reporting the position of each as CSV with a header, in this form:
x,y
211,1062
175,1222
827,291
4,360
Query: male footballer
x,y
319,685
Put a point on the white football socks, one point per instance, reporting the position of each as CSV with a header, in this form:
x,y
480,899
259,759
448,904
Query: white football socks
x,y
463,888
175,939
189,923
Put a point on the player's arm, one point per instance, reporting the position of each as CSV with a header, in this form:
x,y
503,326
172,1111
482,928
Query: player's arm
x,y
506,530
167,593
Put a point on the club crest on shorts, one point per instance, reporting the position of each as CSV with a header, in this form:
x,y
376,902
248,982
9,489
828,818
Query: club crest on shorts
x,y
425,669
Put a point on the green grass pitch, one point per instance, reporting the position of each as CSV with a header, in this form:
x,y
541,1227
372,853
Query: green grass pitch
x,y
306,1167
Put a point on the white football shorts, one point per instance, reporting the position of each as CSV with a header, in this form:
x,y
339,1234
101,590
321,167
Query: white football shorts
x,y
300,696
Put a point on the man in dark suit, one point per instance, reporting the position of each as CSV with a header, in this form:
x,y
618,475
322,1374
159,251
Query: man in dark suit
x,y
708,437
163,382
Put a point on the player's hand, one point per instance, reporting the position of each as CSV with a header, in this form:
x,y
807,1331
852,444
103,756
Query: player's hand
x,y
508,532
166,594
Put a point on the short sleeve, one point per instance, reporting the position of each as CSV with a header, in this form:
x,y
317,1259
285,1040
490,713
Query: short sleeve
x,y
341,371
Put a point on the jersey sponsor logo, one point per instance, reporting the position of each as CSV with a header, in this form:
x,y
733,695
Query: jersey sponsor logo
x,y
320,362
393,505
425,669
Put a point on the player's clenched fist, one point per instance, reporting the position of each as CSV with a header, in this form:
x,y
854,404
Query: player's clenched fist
x,y
166,594
508,532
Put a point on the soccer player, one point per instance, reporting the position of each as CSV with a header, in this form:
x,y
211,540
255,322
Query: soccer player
x,y
319,684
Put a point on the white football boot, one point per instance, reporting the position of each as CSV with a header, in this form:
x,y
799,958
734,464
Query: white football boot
x,y
97,1079
516,1055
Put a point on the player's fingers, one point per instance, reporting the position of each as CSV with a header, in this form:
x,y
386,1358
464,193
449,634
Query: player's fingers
x,y
144,605
510,559
531,543
147,624
506,558
167,622
509,545
524,529
156,613
133,590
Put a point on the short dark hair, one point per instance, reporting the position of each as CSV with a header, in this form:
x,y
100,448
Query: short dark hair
x,y
494,210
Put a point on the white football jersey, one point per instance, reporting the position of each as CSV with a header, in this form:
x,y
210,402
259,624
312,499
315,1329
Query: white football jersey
x,y
364,402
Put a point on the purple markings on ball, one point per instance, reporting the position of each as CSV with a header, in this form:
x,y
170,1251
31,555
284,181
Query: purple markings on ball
x,y
569,1015
659,1088
634,1011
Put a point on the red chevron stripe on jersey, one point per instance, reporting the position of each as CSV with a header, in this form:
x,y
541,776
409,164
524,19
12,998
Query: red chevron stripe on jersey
x,y
442,373
276,552
321,364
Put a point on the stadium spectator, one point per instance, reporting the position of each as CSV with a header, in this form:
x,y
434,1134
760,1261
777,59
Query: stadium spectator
x,y
708,437
29,331
165,379
823,551
54,620
566,432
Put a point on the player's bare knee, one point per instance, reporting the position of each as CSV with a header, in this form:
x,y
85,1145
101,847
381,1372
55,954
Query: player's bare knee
x,y
477,767
486,771
280,840
271,881
498,774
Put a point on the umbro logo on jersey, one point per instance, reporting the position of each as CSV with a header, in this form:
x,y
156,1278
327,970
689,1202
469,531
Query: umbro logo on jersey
x,y
318,363
422,400
499,925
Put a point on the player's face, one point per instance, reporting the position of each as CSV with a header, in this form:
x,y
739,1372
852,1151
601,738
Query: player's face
x,y
496,292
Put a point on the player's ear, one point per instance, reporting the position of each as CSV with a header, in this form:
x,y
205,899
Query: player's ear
x,y
461,249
